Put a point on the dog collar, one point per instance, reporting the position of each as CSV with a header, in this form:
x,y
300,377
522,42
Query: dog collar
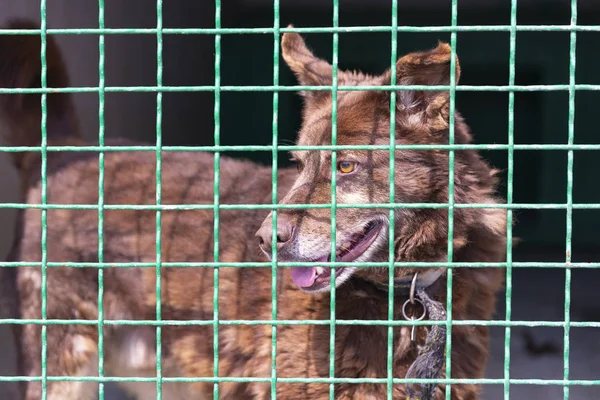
x,y
402,286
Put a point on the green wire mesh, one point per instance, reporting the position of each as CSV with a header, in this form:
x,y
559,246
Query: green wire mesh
x,y
217,122
393,29
101,131
44,176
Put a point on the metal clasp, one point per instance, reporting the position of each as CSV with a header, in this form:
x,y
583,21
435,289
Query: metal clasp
x,y
412,301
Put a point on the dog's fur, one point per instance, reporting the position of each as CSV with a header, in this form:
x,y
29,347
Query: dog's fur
x,y
245,293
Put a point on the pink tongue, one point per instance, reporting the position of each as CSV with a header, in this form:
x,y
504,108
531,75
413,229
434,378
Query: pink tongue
x,y
304,276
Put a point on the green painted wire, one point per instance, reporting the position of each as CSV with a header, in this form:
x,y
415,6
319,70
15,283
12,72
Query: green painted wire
x,y
514,206
509,196
274,165
569,227
217,175
379,381
451,197
359,322
280,88
425,147
159,78
44,177
365,264
101,130
324,29
334,103
392,216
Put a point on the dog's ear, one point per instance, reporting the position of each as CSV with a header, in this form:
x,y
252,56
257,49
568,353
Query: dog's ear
x,y
21,68
309,70
427,68
20,63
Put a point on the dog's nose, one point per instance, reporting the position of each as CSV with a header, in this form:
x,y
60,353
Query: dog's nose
x,y
285,230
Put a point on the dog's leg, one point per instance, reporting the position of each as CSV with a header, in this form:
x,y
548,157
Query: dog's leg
x,y
82,350
75,356
71,350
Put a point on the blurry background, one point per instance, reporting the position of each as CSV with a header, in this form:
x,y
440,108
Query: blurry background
x,y
540,117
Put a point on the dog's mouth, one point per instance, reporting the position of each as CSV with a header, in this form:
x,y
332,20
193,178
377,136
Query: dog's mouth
x,y
317,278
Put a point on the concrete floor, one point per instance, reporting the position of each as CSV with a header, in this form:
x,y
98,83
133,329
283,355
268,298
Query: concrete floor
x,y
535,353
538,294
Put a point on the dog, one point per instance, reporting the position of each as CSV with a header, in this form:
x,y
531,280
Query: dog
x,y
188,347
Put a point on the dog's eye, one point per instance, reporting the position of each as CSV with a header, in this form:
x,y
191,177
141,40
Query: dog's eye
x,y
346,167
299,165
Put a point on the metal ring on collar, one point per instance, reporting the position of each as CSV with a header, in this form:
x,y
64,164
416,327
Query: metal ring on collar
x,y
405,315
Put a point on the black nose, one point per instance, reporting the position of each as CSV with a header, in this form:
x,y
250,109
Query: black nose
x,y
285,230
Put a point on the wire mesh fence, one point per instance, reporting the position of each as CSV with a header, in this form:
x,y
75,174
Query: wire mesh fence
x,y
277,29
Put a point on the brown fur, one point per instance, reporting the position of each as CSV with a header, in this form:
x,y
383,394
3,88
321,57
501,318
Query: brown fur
x,y
245,293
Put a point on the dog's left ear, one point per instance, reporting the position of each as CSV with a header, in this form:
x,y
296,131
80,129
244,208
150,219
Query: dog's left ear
x,y
428,68
309,70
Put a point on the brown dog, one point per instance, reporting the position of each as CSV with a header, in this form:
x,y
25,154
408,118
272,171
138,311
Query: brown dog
x,y
186,293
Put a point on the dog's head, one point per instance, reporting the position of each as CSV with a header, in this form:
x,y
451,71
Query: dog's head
x,y
363,176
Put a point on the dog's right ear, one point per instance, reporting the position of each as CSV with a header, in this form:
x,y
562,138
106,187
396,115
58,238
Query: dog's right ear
x,y
309,70
426,68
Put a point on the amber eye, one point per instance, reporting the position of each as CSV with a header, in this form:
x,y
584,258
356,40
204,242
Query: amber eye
x,y
346,167
299,166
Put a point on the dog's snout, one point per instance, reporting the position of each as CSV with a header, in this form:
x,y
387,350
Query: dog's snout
x,y
285,231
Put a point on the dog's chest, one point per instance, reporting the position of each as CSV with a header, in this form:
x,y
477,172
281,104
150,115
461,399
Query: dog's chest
x,y
363,351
